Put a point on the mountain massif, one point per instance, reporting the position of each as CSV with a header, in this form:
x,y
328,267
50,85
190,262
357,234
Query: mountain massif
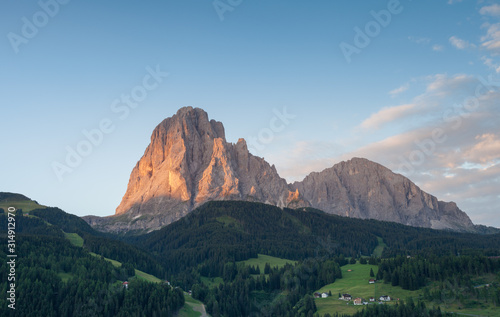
x,y
189,162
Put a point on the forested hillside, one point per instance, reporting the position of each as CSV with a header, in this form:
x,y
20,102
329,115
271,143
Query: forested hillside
x,y
205,252
54,278
220,232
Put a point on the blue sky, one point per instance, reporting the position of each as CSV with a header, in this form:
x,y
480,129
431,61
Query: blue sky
x,y
410,97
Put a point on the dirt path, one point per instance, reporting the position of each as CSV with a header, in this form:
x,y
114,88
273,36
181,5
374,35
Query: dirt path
x,y
200,309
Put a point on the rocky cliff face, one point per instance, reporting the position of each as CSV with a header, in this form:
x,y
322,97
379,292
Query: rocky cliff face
x,y
363,189
189,162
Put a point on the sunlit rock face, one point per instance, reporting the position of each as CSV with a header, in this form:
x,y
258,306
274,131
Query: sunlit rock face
x,y
189,162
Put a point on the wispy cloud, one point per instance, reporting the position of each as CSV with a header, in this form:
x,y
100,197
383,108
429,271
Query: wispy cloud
x,y
425,41
491,64
444,85
419,40
439,87
492,10
437,47
388,115
486,149
464,167
399,90
460,44
491,41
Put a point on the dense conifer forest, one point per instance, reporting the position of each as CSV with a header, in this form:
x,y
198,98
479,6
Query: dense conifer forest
x,y
57,278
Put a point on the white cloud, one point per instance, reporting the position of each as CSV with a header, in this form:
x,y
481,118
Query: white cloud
x,y
426,41
493,10
491,64
444,85
419,40
491,41
399,90
438,48
440,87
464,166
460,44
485,151
387,115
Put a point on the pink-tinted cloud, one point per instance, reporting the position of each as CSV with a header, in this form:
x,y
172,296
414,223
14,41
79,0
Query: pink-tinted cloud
x,y
388,115
453,153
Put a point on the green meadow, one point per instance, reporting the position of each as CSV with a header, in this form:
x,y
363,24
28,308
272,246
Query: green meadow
x,y
75,239
25,205
354,281
263,259
192,308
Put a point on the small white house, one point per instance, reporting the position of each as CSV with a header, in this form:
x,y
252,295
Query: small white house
x,y
385,298
324,295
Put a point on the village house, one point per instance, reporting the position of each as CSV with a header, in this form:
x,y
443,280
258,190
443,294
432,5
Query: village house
x,y
358,301
371,281
346,297
317,295
372,299
125,285
385,298
324,295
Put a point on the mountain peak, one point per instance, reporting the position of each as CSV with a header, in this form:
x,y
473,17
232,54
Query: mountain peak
x,y
189,162
364,189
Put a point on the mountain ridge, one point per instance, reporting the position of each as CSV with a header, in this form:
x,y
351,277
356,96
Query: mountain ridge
x,y
189,162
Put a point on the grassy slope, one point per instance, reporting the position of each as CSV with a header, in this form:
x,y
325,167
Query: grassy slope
x,y
65,277
211,282
186,311
263,259
147,277
380,248
25,205
260,262
76,240
356,284
189,308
